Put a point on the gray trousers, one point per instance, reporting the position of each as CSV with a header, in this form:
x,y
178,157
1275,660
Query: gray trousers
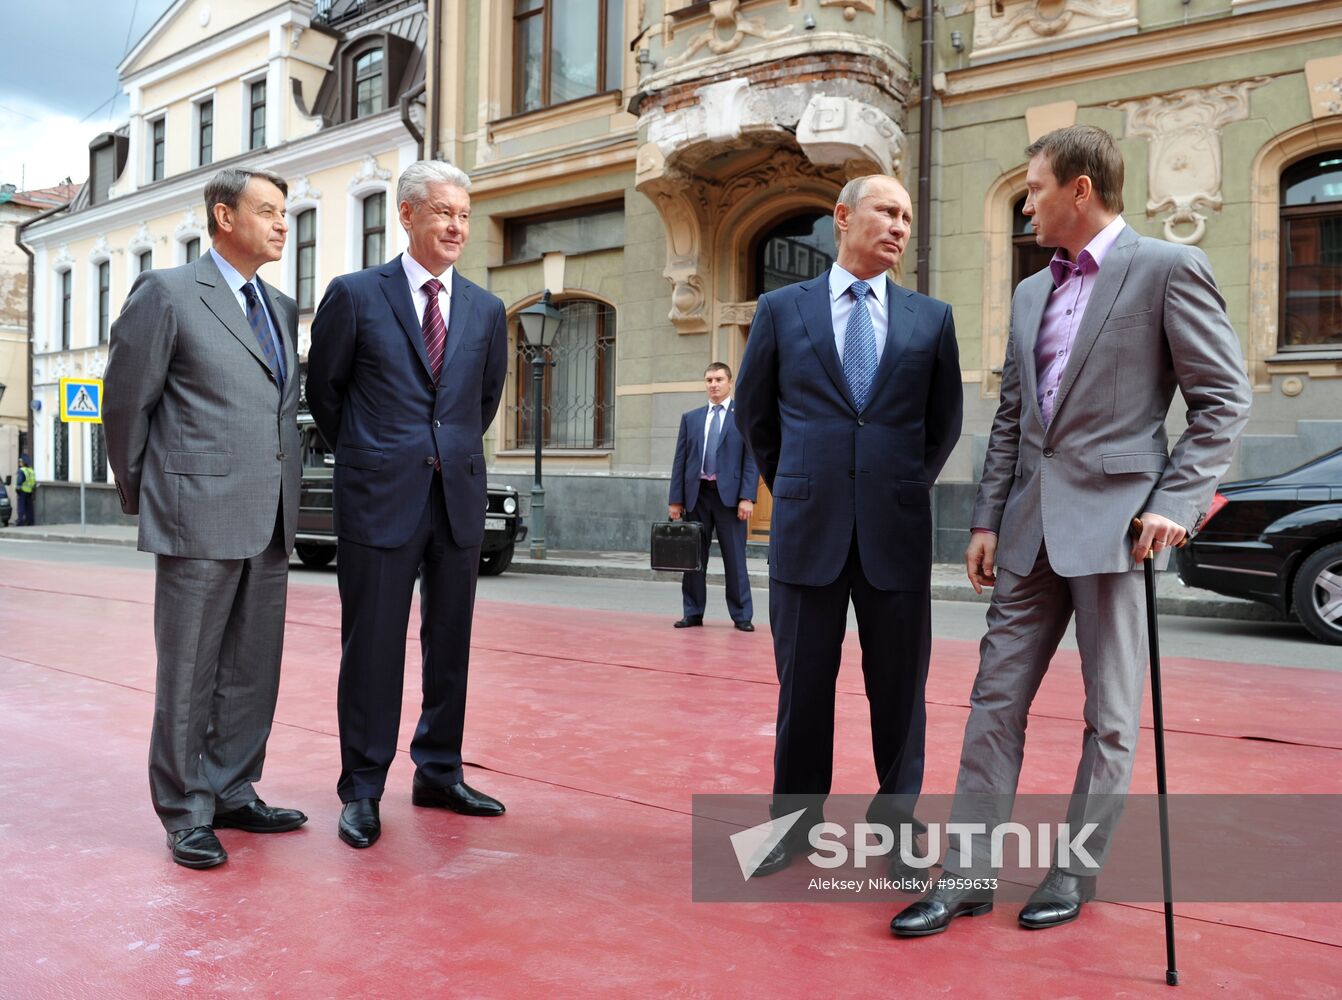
x,y
1026,620
219,632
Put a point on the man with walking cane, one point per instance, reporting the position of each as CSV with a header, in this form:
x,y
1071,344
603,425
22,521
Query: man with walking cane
x,y
1098,343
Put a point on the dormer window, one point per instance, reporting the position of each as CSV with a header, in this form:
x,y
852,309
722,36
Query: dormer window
x,y
369,83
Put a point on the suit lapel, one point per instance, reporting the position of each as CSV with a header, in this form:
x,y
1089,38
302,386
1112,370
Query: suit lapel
x,y
900,314
458,320
220,300
1032,310
396,289
697,436
286,320
1107,283
818,319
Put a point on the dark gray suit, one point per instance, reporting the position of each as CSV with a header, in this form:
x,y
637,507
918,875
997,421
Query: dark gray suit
x,y
1061,496
204,444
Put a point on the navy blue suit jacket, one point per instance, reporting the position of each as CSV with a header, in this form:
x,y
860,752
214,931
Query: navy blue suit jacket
x,y
835,471
738,478
373,398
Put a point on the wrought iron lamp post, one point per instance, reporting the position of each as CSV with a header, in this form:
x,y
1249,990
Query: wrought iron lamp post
x,y
540,323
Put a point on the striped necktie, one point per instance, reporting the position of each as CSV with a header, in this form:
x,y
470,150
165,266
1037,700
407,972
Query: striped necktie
x,y
435,330
256,318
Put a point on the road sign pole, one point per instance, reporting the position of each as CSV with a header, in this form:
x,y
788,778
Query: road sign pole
x,y
84,452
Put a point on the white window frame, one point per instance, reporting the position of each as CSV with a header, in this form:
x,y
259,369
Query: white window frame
x,y
354,213
196,102
150,120
261,75
92,297
289,262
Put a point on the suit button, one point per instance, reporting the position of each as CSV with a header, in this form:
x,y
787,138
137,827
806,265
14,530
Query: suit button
x,y
852,474
1048,452
438,423
429,460
280,455
861,422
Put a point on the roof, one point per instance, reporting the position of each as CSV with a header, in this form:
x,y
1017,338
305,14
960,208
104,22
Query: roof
x,y
47,197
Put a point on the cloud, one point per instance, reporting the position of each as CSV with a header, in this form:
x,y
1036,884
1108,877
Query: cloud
x,y
41,146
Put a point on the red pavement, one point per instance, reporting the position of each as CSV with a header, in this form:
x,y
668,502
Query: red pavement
x,y
595,728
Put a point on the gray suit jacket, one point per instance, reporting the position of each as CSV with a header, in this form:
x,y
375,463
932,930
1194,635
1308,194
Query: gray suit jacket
x,y
203,442
1155,321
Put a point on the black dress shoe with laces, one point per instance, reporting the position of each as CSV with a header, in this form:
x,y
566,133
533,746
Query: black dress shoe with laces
x,y
775,861
197,847
744,627
943,903
360,824
689,621
257,817
460,798
1058,900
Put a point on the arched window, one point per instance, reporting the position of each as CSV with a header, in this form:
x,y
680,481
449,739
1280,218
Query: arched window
x,y
1311,253
1027,256
369,84
797,248
578,389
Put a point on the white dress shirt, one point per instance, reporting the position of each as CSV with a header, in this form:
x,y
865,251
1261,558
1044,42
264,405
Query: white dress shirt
x,y
726,405
841,306
417,274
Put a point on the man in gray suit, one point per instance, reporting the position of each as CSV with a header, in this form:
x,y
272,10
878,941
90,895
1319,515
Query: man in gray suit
x,y
200,415
1098,343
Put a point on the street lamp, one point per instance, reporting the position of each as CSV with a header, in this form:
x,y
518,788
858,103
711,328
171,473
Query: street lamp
x,y
540,323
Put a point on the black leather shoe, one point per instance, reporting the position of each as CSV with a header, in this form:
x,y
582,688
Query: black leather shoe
x,y
197,847
934,912
1058,900
360,825
460,798
775,861
690,621
744,627
257,817
912,879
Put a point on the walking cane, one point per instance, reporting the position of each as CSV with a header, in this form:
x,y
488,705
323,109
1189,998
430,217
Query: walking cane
x,y
1158,717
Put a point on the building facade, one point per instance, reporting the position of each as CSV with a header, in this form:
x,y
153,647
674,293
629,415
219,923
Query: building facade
x,y
658,164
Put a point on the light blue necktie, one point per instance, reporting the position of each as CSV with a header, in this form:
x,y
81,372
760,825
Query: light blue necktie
x,y
711,446
859,345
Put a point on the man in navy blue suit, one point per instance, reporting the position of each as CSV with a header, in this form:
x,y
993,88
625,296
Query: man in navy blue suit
x,y
405,373
714,481
850,399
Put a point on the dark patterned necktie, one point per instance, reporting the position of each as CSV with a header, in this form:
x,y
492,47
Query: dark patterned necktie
x,y
859,345
435,330
256,318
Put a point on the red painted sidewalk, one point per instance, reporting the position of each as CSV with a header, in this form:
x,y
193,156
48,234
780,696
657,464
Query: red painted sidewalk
x,y
595,728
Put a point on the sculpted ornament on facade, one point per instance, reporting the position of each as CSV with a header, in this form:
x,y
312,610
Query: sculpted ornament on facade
x,y
190,225
727,16
301,190
1002,26
1183,130
839,131
368,171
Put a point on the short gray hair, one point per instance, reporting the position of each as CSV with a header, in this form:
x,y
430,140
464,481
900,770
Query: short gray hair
x,y
414,183
850,195
226,187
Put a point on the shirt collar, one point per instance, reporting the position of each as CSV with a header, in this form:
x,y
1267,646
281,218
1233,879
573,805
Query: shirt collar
x,y
230,274
1089,260
840,281
417,273
726,405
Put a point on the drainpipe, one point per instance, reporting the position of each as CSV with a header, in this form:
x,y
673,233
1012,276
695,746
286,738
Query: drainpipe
x,y
925,149
435,68
407,99
32,279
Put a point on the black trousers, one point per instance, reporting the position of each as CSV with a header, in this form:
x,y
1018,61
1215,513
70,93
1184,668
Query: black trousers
x,y
376,588
720,518
894,628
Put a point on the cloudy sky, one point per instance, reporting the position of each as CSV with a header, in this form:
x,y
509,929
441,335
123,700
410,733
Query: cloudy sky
x,y
56,78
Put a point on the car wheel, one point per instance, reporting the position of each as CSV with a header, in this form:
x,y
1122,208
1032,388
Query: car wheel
x,y
315,556
1318,594
494,563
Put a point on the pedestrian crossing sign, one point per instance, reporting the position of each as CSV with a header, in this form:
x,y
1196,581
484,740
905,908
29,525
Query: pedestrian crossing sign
x,y
82,400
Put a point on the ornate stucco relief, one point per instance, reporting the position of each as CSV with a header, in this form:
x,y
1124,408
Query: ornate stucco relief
x,y
1323,77
840,131
1004,27
727,17
1183,131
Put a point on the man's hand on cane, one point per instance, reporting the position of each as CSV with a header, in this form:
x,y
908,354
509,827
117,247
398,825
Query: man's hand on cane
x,y
1158,533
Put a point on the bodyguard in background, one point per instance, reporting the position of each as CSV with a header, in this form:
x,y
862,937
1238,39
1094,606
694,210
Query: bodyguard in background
x,y
851,401
405,373
200,413
714,481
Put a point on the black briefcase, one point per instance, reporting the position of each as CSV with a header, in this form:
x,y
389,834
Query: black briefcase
x,y
678,546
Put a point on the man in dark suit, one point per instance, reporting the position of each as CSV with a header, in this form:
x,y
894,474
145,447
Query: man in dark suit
x,y
850,399
713,481
405,373
202,434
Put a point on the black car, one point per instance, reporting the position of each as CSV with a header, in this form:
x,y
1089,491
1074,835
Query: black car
x,y
6,511
1277,540
316,545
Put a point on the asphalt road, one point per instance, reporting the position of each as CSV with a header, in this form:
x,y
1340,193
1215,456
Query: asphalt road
x,y
1271,643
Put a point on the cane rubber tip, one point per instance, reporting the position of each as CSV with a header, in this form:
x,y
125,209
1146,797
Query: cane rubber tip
x,y
1171,977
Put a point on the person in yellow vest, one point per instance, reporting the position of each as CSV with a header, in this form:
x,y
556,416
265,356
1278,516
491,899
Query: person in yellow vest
x,y
27,482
